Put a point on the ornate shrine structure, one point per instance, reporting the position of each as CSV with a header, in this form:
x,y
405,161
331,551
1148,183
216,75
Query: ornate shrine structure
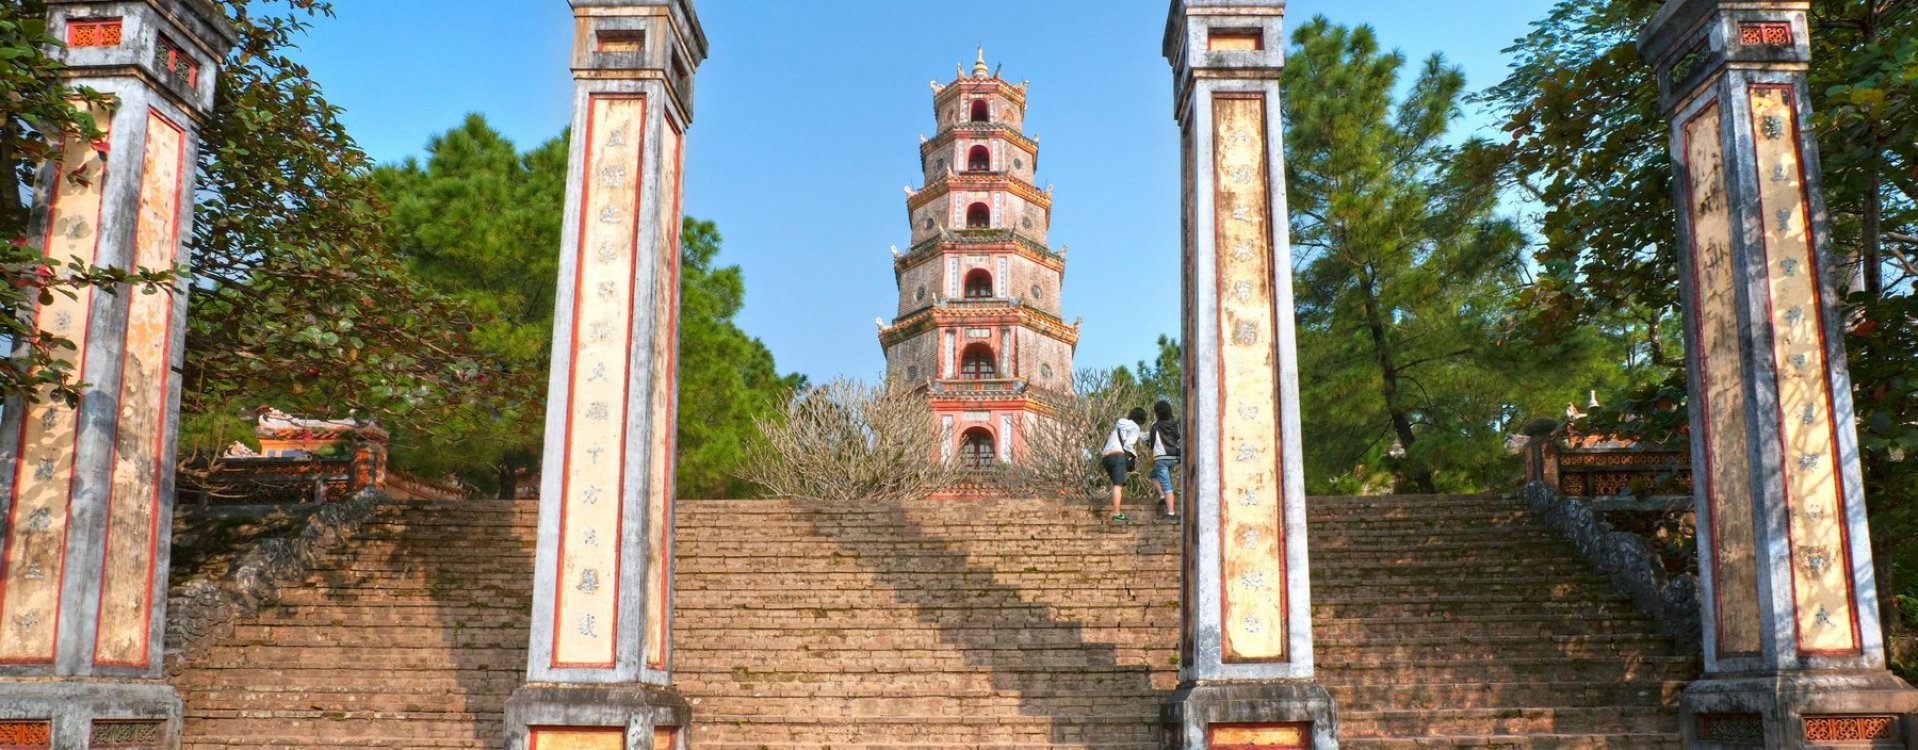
x,y
979,320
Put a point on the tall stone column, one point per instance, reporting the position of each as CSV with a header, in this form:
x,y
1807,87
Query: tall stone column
x,y
599,672
1246,654
1793,653
88,495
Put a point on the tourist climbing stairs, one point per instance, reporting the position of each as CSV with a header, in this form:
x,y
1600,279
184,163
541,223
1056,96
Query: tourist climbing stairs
x,y
1442,622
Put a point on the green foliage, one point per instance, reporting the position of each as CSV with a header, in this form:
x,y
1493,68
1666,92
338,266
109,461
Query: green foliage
x,y
1409,366
1161,378
297,301
481,222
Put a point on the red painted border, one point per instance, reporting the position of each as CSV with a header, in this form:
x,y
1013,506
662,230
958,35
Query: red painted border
x,y
80,367
159,448
662,619
1704,378
1278,414
572,380
1818,303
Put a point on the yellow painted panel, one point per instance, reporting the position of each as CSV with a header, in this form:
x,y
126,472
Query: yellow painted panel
x,y
1251,468
663,738
1728,487
1284,737
579,739
1222,40
665,351
586,633
126,596
43,472
1820,563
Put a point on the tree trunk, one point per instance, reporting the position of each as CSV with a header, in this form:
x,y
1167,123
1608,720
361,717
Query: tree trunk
x,y
508,480
10,204
1421,476
1872,262
1655,338
1873,258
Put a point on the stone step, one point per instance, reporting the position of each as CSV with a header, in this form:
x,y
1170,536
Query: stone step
x,y
1427,696
1545,741
1015,625
1497,721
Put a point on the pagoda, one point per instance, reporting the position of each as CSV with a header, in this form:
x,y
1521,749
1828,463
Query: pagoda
x,y
978,323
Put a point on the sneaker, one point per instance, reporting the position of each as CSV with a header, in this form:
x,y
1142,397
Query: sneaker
x,y
1168,516
1121,517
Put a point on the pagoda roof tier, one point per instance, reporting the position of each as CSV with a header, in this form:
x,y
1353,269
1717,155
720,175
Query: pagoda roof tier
x,y
972,84
962,313
979,181
979,240
991,129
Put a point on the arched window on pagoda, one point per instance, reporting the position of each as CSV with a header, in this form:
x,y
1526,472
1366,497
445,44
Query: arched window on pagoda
x,y
977,450
979,159
979,216
979,284
978,363
979,111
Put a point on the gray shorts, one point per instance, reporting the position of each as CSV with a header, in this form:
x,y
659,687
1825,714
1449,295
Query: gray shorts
x,y
1115,466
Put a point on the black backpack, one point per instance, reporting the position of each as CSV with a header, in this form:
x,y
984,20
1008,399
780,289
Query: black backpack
x,y
1166,433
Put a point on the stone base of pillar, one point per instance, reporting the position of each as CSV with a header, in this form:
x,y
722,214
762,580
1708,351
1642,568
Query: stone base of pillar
x,y
644,712
1800,711
146,711
1276,715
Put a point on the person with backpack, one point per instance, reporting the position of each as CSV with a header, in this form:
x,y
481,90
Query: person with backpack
x,y
1119,457
1167,447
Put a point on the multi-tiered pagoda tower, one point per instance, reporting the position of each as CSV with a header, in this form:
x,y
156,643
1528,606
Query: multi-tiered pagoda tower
x,y
978,321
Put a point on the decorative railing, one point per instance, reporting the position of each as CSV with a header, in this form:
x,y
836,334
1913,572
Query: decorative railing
x,y
1012,386
1634,563
979,303
977,237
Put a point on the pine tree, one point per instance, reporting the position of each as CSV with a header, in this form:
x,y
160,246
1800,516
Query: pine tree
x,y
1404,271
482,222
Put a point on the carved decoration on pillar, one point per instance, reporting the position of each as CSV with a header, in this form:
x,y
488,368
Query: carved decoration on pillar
x,y
586,625
1722,399
1252,472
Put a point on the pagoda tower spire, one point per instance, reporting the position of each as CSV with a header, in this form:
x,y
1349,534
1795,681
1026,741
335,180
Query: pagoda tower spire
x,y
978,322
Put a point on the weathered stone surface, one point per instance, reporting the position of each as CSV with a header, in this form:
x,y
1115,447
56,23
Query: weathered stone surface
x,y
1631,562
205,604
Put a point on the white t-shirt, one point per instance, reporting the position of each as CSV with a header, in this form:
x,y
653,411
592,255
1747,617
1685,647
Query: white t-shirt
x,y
1122,437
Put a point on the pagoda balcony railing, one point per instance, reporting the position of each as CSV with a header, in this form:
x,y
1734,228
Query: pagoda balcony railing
x,y
1007,386
980,303
977,237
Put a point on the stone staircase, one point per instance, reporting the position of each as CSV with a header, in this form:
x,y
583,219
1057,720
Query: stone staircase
x,y
1442,622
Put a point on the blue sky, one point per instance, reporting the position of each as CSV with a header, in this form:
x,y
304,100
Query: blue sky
x,y
807,126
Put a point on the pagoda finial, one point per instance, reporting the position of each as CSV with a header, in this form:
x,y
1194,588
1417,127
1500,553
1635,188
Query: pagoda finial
x,y
979,69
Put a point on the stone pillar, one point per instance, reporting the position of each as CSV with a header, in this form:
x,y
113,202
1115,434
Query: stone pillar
x,y
1246,654
1793,653
599,671
88,495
